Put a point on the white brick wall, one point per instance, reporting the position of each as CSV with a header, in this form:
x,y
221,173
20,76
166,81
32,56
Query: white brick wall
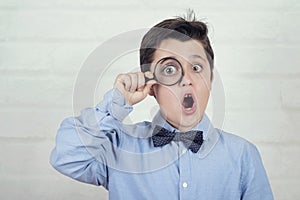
x,y
44,43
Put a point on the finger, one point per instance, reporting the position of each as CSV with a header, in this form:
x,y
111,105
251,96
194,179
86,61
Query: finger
x,y
141,81
126,81
151,82
134,82
146,89
148,75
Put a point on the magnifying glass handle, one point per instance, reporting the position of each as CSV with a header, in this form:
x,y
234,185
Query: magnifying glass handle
x,y
147,77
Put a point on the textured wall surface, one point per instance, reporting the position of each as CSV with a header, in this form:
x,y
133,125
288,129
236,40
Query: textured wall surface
x,y
43,45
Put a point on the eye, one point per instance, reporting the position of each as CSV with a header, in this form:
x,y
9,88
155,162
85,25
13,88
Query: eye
x,y
197,68
169,70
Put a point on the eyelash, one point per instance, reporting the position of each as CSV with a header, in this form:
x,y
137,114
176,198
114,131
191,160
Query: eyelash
x,y
200,66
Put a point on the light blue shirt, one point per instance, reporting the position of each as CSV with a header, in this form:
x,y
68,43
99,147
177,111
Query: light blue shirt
x,y
99,149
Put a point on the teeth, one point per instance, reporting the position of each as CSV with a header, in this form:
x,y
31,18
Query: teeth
x,y
188,101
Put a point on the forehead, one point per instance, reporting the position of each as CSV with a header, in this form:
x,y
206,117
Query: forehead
x,y
184,49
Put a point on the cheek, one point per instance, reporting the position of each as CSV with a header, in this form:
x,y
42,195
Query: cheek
x,y
204,80
203,94
202,86
165,96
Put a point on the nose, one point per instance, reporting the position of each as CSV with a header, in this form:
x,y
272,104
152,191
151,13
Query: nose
x,y
186,79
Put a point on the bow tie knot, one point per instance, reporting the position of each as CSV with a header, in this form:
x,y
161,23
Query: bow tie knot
x,y
191,139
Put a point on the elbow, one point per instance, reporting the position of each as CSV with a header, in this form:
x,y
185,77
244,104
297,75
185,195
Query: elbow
x,y
54,161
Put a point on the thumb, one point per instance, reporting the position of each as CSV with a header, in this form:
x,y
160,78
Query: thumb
x,y
148,86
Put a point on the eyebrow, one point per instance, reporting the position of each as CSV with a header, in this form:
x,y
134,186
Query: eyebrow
x,y
197,56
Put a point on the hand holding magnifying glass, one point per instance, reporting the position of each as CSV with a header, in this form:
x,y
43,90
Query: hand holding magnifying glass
x,y
167,71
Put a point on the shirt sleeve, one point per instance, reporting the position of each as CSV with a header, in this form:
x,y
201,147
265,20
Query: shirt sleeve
x,y
86,145
254,180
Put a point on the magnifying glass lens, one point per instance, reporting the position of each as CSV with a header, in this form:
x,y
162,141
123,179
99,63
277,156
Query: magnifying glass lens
x,y
168,71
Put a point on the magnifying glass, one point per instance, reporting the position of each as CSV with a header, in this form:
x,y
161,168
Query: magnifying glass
x,y
168,71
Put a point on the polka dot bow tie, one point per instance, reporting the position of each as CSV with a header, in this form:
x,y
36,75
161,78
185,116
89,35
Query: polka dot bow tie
x,y
191,139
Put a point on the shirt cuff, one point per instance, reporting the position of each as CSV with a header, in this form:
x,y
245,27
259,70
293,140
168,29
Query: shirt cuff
x,y
114,103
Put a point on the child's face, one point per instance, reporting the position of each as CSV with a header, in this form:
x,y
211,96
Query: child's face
x,y
184,103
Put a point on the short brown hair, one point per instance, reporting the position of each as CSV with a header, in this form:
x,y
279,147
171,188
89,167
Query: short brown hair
x,y
177,28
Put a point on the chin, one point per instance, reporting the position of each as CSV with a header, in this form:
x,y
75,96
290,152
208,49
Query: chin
x,y
191,120
185,123
183,120
190,123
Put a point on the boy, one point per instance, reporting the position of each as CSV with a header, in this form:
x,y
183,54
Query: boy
x,y
179,155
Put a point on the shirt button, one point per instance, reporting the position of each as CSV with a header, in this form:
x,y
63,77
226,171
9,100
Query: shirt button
x,y
184,184
183,151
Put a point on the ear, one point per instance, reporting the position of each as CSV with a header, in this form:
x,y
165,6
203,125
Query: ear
x,y
211,79
151,92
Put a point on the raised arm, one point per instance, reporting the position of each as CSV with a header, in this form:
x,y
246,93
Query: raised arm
x,y
84,142
86,145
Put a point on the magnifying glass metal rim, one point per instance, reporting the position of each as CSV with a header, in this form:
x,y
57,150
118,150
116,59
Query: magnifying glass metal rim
x,y
154,76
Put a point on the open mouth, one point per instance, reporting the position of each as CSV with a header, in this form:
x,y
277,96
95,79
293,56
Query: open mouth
x,y
188,101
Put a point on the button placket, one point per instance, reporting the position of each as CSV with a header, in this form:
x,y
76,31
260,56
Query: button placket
x,y
184,182
184,185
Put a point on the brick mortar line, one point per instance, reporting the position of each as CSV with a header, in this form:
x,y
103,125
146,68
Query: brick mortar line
x,y
213,9
259,42
26,139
